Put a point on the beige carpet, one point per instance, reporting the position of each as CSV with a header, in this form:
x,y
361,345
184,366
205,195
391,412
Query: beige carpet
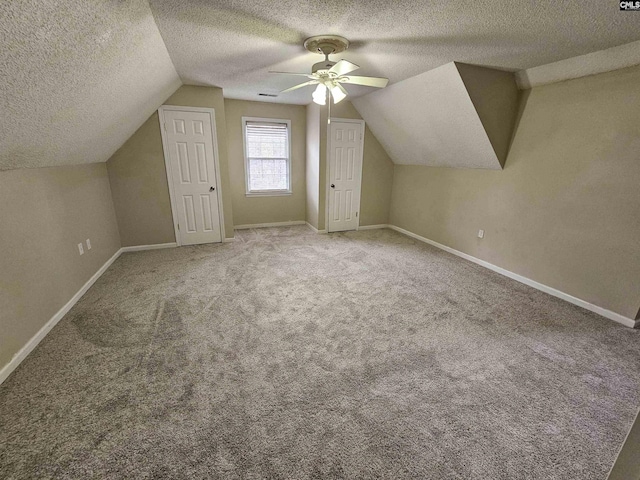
x,y
288,354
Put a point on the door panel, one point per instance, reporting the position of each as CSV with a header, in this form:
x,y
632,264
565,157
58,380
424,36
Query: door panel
x,y
190,144
345,167
189,214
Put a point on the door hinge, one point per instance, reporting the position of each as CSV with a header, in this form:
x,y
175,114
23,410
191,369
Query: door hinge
x,y
356,214
178,227
165,126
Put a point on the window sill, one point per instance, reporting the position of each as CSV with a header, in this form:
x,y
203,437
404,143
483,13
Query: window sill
x,y
279,193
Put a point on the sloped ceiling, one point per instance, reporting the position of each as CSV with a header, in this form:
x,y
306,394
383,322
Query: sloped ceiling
x,y
452,116
495,97
77,78
234,43
607,60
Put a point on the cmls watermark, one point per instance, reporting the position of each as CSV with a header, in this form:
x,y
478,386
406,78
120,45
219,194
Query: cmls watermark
x,y
630,6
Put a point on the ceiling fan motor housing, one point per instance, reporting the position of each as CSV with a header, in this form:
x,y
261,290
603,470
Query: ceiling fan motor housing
x,y
325,45
324,65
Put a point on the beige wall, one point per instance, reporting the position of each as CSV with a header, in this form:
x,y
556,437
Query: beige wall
x,y
627,465
495,96
430,119
140,190
565,210
138,176
266,209
312,171
322,192
44,214
377,182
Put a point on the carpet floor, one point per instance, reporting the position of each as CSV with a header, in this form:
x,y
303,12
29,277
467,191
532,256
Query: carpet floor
x,y
291,355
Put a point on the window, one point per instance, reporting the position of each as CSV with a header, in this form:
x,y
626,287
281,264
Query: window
x,y
267,156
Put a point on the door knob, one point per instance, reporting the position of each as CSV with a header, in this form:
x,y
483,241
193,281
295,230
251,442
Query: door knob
x,y
333,186
212,189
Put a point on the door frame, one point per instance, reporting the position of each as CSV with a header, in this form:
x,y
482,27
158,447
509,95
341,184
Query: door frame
x,y
167,164
328,168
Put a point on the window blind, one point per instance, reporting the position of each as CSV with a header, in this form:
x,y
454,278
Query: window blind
x,y
267,146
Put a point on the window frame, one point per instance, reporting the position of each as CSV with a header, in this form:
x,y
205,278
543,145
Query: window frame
x,y
265,193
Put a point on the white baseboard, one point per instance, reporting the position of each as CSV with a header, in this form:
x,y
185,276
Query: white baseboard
x,y
315,229
616,317
228,239
311,227
37,338
156,246
373,227
265,225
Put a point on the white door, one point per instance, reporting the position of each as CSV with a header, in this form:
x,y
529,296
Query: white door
x,y
189,141
345,172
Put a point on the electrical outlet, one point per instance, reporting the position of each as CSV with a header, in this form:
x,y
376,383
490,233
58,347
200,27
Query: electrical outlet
x,y
88,244
480,233
80,249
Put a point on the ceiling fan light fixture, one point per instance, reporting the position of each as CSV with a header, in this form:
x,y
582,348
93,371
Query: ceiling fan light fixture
x,y
330,75
337,93
320,94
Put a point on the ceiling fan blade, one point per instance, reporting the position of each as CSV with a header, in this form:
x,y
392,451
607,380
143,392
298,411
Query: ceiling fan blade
x,y
377,82
295,87
343,67
308,75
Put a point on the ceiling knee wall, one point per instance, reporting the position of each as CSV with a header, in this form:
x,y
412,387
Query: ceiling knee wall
x,y
457,115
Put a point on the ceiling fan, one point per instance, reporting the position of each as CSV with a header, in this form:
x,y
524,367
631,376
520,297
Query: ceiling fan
x,y
328,75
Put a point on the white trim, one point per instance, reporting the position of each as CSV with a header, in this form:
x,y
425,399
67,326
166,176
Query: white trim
x,y
328,169
373,227
265,193
167,164
315,229
616,317
265,225
229,240
53,321
37,338
270,193
157,246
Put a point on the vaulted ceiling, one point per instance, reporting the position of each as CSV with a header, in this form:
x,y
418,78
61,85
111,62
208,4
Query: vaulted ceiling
x,y
234,43
456,115
78,77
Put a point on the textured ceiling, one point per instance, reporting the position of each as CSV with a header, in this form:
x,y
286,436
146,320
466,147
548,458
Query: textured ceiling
x,y
233,43
432,118
593,63
77,78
